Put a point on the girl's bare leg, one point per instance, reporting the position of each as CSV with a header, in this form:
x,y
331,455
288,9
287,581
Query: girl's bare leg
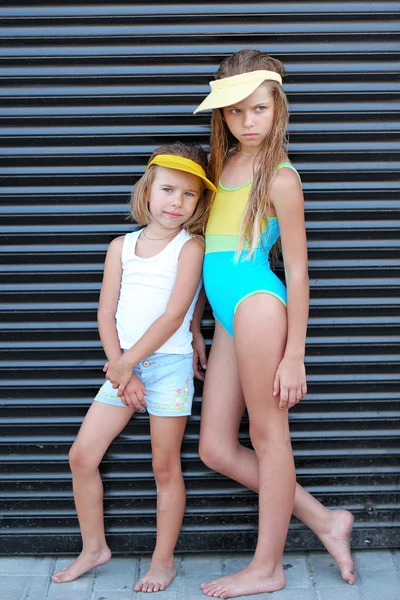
x,y
101,425
259,345
223,403
333,528
166,440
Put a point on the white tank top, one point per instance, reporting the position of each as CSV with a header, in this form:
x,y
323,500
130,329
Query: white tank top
x,y
146,286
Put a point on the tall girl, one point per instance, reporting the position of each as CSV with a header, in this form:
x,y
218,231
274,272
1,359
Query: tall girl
x,y
150,286
257,356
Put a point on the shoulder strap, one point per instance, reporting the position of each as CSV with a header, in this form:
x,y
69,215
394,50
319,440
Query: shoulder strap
x,y
129,244
287,165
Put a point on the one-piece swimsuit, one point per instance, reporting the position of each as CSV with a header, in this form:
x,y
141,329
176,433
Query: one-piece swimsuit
x,y
228,278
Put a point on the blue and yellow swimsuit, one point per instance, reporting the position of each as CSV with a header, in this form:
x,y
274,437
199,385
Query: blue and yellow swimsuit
x,y
228,279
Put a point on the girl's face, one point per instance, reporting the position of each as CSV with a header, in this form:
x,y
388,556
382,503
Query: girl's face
x,y
251,119
173,196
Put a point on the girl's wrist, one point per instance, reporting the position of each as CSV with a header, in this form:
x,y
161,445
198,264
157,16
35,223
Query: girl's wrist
x,y
114,356
196,332
127,360
195,325
294,355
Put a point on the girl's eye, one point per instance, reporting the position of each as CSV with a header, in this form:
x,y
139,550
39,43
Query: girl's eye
x,y
167,189
235,111
190,194
261,108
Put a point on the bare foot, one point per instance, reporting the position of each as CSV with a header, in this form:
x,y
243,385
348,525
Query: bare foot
x,y
337,542
157,578
244,583
81,565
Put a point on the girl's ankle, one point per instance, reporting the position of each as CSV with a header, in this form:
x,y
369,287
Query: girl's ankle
x,y
94,550
163,560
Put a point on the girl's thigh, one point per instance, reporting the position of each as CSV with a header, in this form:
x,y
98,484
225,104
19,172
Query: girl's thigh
x,y
166,439
102,423
260,327
223,403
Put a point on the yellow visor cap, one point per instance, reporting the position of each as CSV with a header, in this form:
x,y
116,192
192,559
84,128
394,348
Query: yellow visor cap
x,y
170,161
228,91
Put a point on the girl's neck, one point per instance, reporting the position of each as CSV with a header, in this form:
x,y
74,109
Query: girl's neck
x,y
238,170
152,240
248,151
155,231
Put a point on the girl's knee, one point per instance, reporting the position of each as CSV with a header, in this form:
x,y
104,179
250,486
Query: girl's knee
x,y
166,469
80,459
207,456
265,440
213,455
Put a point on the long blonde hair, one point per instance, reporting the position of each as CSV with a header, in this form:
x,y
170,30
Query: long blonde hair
x,y
141,192
272,152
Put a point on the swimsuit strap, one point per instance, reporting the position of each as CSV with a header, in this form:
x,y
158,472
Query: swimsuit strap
x,y
288,165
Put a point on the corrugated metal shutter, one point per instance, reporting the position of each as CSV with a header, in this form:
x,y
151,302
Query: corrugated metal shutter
x,y
89,89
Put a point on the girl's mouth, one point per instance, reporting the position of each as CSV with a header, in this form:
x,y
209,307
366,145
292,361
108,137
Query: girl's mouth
x,y
172,214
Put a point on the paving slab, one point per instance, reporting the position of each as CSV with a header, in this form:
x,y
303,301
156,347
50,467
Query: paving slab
x,y
379,585
37,588
297,571
299,593
310,576
26,565
109,595
12,588
351,592
116,575
375,561
396,557
324,571
198,568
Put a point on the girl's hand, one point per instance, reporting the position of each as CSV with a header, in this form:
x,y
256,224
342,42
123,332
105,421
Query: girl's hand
x,y
134,394
290,382
119,373
199,356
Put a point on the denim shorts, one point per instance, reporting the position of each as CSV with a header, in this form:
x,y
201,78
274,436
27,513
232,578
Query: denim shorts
x,y
168,379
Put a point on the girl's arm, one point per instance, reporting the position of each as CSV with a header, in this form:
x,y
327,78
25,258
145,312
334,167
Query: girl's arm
x,y
187,280
195,324
109,295
198,343
134,396
287,198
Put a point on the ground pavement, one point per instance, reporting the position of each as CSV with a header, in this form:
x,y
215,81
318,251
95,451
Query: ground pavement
x,y
310,576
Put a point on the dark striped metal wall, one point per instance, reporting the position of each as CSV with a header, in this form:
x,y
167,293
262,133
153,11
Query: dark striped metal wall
x,y
89,89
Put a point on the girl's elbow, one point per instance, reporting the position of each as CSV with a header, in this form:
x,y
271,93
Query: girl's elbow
x,y
298,276
175,319
105,315
305,277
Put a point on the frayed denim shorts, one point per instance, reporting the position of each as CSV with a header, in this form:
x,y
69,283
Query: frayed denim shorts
x,y
168,379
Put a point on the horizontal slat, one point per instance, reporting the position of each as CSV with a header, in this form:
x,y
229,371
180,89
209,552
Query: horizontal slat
x,y
294,70
189,9
314,46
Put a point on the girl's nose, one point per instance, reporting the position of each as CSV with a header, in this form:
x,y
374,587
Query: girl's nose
x,y
248,119
177,200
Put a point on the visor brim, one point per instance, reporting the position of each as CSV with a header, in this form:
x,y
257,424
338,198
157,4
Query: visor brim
x,y
227,97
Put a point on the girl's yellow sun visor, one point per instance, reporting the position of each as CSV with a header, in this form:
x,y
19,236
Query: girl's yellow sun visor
x,y
170,161
229,90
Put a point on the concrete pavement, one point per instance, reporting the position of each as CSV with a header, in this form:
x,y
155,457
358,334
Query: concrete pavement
x,y
310,576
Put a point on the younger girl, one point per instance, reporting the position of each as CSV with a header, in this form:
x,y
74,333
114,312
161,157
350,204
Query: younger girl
x,y
257,356
150,286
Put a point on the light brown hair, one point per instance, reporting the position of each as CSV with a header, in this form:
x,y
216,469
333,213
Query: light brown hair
x,y
141,192
272,152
